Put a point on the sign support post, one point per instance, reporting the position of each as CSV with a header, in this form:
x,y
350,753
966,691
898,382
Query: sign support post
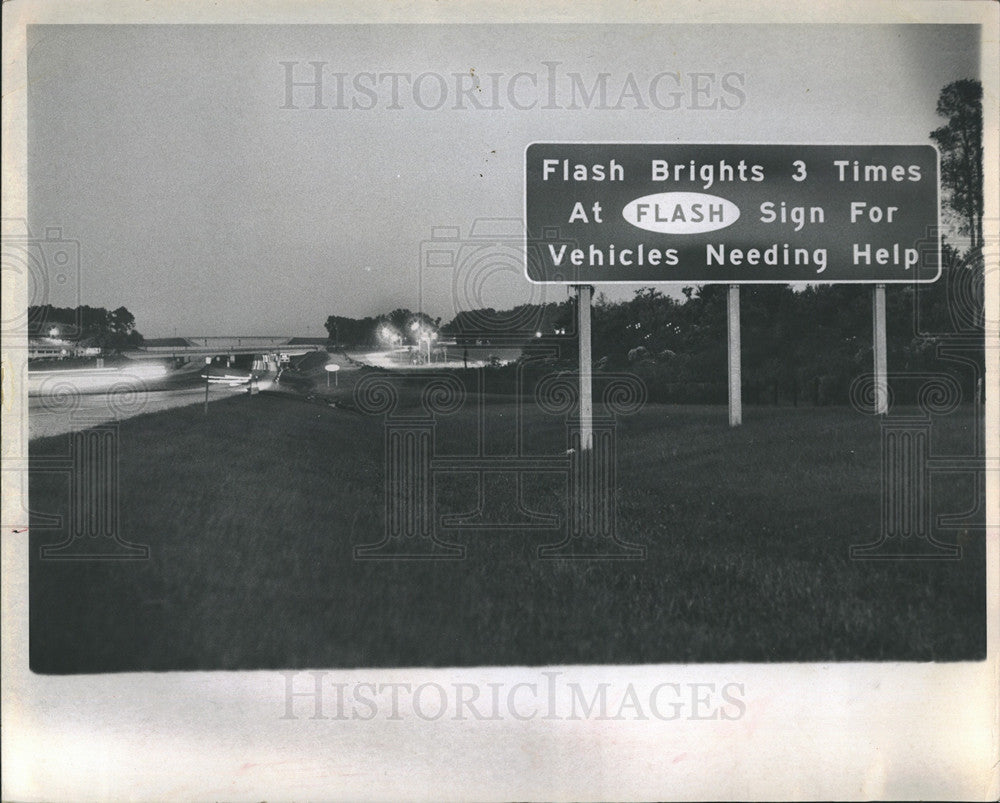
x,y
332,368
735,366
879,348
208,365
583,293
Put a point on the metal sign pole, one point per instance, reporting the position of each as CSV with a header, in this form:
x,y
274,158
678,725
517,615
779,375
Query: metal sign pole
x,y
583,293
879,347
208,365
735,369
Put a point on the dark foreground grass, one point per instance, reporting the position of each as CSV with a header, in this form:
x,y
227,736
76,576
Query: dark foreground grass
x,y
252,513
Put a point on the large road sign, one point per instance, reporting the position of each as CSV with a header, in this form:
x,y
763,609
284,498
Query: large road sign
x,y
607,213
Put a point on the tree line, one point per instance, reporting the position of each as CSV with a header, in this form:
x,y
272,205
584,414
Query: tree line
x,y
85,325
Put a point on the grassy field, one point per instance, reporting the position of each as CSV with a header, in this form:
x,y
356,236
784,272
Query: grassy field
x,y
252,513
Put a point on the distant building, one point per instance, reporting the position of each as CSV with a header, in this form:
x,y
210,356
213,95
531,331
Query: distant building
x,y
54,348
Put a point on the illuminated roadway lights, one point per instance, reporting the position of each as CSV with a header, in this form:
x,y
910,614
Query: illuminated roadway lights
x,y
423,336
389,336
428,338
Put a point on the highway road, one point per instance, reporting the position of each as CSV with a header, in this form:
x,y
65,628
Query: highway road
x,y
55,415
70,400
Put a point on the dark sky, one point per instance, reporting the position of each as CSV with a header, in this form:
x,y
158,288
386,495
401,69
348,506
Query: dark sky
x,y
204,206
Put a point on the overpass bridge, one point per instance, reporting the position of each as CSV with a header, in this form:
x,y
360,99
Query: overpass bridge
x,y
225,345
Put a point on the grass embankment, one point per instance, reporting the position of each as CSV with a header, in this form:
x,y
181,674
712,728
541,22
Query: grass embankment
x,y
252,513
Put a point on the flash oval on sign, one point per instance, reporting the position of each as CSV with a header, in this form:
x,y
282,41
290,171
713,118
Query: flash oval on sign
x,y
681,212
